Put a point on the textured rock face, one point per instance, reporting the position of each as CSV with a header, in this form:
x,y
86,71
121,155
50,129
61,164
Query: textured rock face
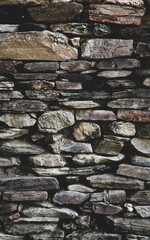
x,y
36,46
22,2
47,160
52,122
109,147
70,197
134,3
106,209
134,171
25,196
124,129
141,145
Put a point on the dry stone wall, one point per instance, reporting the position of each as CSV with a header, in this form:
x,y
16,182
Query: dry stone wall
x,y
74,120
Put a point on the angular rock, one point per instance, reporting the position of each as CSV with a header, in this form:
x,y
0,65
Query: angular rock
x,y
43,45
84,131
6,85
7,208
9,67
12,133
18,120
137,237
141,161
97,197
86,95
114,182
43,95
116,14
115,196
127,225
4,236
23,106
54,235
143,50
143,211
56,12
82,29
47,160
36,76
25,196
93,235
109,147
41,66
22,2
29,183
95,115
20,147
9,161
36,85
134,103
138,93
54,121
134,171
27,228
137,3
68,85
121,84
126,129
92,159
70,197
114,74
76,66
8,95
62,213
141,145
141,197
79,104
105,209
146,82
80,188
106,48
118,63
133,115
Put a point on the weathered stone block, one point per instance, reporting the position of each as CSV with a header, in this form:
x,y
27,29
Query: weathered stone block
x,y
25,196
115,196
123,128
12,133
95,115
76,66
133,115
141,161
133,3
60,85
105,209
93,235
9,161
138,93
36,76
43,95
141,197
70,197
118,63
79,104
134,103
47,160
143,211
80,188
22,2
109,147
114,74
41,66
134,171
9,95
141,145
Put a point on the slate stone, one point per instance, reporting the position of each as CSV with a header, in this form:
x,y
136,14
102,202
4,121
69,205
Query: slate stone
x,y
137,237
60,85
7,208
97,197
85,95
95,115
134,103
30,42
54,235
47,160
114,74
141,197
93,235
9,161
80,188
41,66
36,85
137,3
82,29
36,76
29,183
6,85
133,115
22,2
106,48
114,196
105,209
141,145
4,236
54,121
141,161
118,63
76,66
138,93
79,104
25,196
36,220
121,84
18,120
8,95
111,181
70,197
134,171
51,13
12,133
109,147
43,95
126,129
143,211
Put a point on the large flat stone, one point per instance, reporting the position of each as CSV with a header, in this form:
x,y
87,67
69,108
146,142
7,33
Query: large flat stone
x,y
25,196
141,197
9,95
43,95
114,74
115,196
133,115
111,181
121,84
56,12
95,115
41,66
36,76
134,171
54,235
138,93
80,188
134,103
70,197
106,48
136,3
109,147
105,208
141,161
76,66
118,63
79,104
43,45
12,133
29,183
4,236
84,235
9,161
47,160
141,145
143,211
37,85
126,129
85,95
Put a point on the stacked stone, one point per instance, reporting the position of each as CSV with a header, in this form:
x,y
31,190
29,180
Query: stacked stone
x,y
74,119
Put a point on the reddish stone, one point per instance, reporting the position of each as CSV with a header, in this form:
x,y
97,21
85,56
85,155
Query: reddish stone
x,y
8,67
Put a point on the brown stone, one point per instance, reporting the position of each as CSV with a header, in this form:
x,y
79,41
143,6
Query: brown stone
x,y
9,67
76,66
109,147
68,85
115,196
44,45
25,196
56,12
47,160
43,95
140,93
141,197
70,197
36,84
118,63
95,115
36,76
141,145
41,66
12,133
134,103
105,209
22,2
134,171
133,115
111,181
106,48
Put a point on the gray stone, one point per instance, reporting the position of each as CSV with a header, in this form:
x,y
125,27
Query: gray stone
x,y
4,236
18,120
97,197
79,104
62,85
27,45
115,196
137,237
114,74
141,93
62,213
106,48
6,85
133,115
95,115
12,133
43,95
82,29
118,63
109,147
8,95
9,161
36,220
36,76
92,159
80,188
121,84
143,211
84,131
47,160
70,197
7,208
84,235
54,235
20,147
126,129
22,2
41,66
105,208
141,145
134,171
76,66
25,196
133,103
141,161
137,3
29,183
93,95
54,121
114,182
141,197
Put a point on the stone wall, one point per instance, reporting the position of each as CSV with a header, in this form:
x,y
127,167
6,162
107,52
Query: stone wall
x,y
74,120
